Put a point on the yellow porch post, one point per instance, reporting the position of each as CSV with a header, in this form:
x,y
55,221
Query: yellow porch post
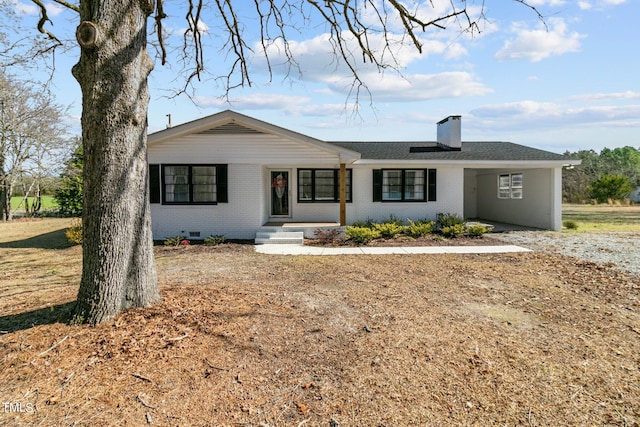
x,y
343,194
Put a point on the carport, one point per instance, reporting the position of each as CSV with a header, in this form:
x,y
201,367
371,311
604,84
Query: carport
x,y
527,195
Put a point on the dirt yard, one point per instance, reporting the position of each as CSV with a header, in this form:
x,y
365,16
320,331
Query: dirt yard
x,y
244,339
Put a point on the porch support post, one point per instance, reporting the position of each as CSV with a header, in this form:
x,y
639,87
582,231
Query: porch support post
x,y
556,199
343,194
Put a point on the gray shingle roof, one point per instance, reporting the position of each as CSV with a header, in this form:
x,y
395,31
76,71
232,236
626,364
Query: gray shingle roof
x,y
491,151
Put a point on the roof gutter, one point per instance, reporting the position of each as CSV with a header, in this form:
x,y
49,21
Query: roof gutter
x,y
482,164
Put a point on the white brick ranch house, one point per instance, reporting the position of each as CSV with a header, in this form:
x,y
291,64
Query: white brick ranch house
x,y
230,174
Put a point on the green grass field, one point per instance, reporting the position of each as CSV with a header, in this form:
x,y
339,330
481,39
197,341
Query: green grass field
x,y
48,203
603,217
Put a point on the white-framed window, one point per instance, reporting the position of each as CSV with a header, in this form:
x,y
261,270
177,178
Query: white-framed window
x,y
510,186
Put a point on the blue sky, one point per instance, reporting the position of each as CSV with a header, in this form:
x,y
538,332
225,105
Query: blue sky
x,y
570,86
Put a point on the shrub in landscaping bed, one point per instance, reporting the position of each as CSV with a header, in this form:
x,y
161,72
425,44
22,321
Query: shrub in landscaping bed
x,y
477,230
218,239
419,228
448,220
389,229
361,235
173,241
454,230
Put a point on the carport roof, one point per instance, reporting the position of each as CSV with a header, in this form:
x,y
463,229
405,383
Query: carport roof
x,y
483,151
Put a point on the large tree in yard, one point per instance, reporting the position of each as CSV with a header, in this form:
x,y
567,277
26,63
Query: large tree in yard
x,y
118,265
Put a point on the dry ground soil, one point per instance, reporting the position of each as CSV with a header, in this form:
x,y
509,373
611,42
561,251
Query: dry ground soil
x,y
245,339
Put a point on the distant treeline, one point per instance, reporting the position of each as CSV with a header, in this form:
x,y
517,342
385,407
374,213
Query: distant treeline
x,y
610,175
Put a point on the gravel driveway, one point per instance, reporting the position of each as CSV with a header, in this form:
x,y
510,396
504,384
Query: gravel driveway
x,y
620,249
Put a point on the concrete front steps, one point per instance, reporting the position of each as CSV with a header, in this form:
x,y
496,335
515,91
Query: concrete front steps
x,y
294,233
275,236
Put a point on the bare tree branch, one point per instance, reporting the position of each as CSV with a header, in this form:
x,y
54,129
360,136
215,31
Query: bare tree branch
x,y
44,18
193,39
67,5
160,15
535,10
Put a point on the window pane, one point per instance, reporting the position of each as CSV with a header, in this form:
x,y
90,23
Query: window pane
x,y
203,175
516,180
504,190
516,186
204,193
203,179
325,185
391,185
176,174
304,184
414,185
176,183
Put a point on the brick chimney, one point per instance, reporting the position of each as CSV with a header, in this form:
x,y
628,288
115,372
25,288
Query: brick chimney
x,y
450,133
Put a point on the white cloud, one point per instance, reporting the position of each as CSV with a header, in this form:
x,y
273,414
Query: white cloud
x,y
201,26
599,4
299,106
533,115
614,96
21,8
25,8
540,3
539,43
516,109
425,11
418,87
262,101
318,60
54,9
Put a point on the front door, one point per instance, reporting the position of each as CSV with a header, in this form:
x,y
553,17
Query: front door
x,y
279,193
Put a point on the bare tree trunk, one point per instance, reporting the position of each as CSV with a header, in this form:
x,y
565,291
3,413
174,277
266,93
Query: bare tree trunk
x,y
6,201
5,207
118,269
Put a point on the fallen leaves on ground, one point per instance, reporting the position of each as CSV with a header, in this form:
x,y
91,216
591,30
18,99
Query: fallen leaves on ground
x,y
242,338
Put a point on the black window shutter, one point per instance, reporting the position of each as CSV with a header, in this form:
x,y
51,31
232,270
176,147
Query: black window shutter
x,y
154,183
432,185
221,172
377,185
